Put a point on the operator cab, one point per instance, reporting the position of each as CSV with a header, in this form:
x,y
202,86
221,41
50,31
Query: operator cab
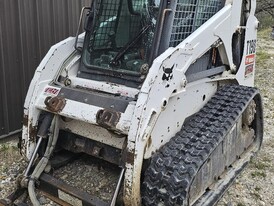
x,y
123,37
118,41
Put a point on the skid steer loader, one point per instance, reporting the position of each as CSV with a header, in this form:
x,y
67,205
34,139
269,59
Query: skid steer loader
x,y
161,89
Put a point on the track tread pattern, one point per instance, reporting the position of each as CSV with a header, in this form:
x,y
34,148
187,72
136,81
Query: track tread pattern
x,y
172,169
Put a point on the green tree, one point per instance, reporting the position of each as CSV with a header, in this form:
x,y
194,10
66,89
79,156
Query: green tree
x,y
266,6
265,13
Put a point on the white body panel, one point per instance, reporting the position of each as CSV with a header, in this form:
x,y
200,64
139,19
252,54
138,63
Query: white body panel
x,y
181,105
44,74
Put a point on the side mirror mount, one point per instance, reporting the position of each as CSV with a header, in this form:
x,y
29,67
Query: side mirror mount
x,y
80,24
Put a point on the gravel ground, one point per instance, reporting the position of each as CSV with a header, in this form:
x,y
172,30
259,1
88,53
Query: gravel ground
x,y
10,167
254,186
101,180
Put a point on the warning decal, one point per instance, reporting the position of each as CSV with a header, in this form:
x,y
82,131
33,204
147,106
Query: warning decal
x,y
249,70
250,59
52,91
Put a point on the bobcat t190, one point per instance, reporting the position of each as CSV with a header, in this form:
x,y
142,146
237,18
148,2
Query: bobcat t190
x,y
163,89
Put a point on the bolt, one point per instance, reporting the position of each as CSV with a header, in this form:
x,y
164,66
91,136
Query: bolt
x,y
183,82
67,82
144,69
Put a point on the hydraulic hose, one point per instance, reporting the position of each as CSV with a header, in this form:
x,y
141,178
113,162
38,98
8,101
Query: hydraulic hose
x,y
42,133
53,136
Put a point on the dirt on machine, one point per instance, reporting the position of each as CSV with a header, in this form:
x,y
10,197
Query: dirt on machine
x,y
158,93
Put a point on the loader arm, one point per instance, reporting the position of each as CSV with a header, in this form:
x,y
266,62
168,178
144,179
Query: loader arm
x,y
151,103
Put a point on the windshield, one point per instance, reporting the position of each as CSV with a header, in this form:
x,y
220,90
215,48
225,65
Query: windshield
x,y
122,35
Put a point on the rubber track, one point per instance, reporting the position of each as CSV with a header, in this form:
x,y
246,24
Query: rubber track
x,y
172,169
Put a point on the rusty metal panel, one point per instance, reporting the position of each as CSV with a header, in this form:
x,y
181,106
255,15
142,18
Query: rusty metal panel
x,y
28,28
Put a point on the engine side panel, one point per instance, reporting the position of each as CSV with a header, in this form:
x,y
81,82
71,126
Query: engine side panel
x,y
180,106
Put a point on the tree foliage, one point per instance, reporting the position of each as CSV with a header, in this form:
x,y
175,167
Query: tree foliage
x,y
265,6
